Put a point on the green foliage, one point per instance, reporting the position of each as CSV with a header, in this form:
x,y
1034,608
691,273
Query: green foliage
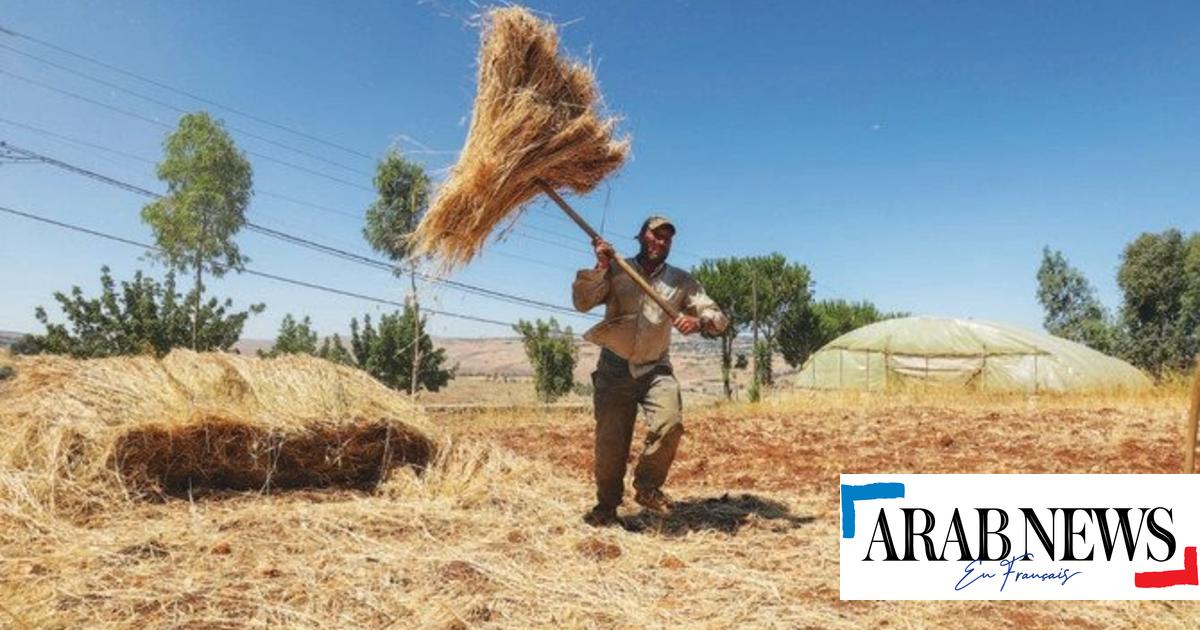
x,y
741,286
1072,309
6,372
386,352
300,338
806,330
552,354
724,281
293,338
27,344
1159,278
762,364
208,188
333,350
1158,325
141,317
780,287
403,195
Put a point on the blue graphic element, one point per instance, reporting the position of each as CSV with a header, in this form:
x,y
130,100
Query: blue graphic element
x,y
850,494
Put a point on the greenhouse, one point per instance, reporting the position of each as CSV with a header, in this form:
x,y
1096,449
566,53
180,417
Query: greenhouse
x,y
982,356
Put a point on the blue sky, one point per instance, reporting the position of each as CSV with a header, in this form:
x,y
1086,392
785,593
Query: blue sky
x,y
916,154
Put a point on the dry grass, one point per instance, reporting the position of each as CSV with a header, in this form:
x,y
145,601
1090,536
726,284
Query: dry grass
x,y
87,433
536,119
490,536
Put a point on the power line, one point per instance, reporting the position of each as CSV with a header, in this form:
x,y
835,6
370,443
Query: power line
x,y
557,244
561,217
258,192
158,123
145,160
310,244
181,110
252,272
422,148
77,141
533,261
161,85
309,204
80,171
565,237
386,266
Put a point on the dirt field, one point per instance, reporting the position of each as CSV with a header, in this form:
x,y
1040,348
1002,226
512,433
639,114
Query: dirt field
x,y
491,535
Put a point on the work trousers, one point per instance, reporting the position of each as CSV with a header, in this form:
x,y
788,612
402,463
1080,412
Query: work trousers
x,y
616,400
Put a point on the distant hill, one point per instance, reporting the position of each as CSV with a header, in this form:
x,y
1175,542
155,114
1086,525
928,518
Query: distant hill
x,y
502,356
495,369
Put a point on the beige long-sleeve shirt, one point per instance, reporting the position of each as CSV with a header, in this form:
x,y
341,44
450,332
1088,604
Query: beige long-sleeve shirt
x,y
634,326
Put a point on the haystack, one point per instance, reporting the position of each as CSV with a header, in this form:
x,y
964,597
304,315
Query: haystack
x,y
141,426
536,123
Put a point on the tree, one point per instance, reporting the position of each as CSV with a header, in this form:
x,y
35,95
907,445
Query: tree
x,y
300,338
26,344
725,281
552,354
142,317
777,288
403,191
293,338
333,350
1072,309
403,196
1159,278
806,330
386,352
762,353
208,189
767,286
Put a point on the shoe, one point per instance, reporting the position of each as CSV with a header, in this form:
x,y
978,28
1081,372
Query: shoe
x,y
653,500
602,517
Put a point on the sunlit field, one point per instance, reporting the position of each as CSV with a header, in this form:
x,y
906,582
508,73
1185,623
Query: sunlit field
x,y
489,534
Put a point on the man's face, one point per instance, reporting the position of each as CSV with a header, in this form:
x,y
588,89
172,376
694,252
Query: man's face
x,y
656,243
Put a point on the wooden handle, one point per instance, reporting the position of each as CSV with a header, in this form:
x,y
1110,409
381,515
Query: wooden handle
x,y
1189,457
629,269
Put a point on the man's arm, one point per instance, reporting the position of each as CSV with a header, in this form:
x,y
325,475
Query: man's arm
x,y
699,305
591,285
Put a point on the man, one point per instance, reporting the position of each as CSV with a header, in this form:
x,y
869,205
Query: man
x,y
635,366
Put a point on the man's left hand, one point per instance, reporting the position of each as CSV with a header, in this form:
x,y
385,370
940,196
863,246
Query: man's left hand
x,y
687,324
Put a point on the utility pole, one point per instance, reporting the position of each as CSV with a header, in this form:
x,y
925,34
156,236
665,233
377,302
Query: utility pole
x,y
199,262
416,342
754,307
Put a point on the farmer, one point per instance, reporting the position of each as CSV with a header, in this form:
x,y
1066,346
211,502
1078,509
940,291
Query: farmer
x,y
635,366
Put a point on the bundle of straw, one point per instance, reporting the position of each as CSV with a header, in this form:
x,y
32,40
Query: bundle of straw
x,y
535,124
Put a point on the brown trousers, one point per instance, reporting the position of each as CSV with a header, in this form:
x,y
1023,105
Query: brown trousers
x,y
616,399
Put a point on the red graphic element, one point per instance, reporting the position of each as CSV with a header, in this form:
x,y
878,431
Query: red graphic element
x,y
1162,579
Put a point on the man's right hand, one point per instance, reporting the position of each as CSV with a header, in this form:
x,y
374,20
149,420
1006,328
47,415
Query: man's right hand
x,y
604,252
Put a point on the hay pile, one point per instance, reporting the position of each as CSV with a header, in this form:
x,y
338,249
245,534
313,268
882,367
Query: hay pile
x,y
487,538
96,430
535,120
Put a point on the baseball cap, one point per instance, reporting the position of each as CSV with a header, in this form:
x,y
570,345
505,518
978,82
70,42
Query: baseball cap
x,y
654,222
